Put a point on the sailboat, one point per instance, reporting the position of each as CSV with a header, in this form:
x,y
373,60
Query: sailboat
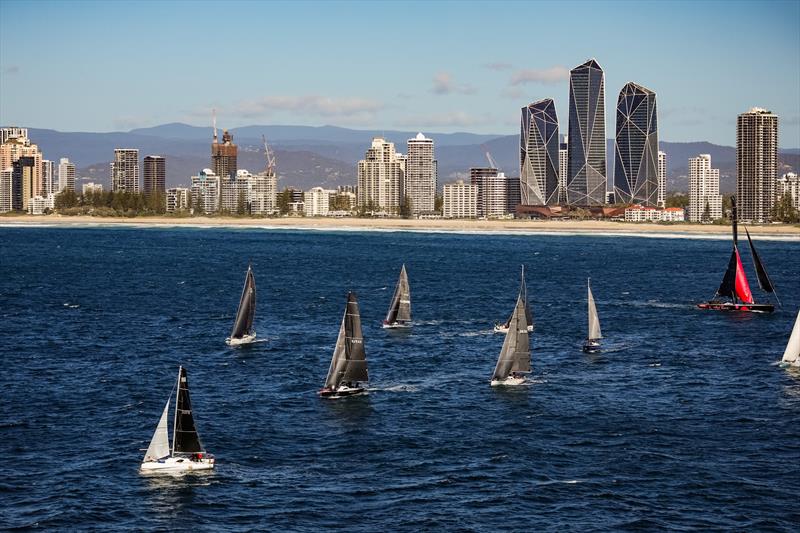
x,y
592,343
791,357
186,452
243,332
349,362
515,355
734,283
523,291
399,314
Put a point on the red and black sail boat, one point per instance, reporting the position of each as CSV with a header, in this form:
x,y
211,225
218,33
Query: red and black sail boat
x,y
735,286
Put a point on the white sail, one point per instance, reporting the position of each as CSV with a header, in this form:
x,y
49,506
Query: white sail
x,y
594,320
159,445
792,353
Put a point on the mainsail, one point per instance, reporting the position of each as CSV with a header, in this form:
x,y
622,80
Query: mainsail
x,y
159,444
761,272
792,354
594,320
523,292
184,436
247,307
349,362
734,282
400,308
515,355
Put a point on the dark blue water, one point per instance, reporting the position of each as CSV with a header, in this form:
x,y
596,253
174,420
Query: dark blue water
x,y
685,422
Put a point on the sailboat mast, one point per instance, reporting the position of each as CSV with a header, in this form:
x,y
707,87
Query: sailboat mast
x,y
175,419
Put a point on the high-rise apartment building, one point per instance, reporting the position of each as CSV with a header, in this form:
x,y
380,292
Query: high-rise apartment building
x,y
6,177
316,202
514,192
234,192
586,168
381,177
636,147
66,175
493,189
205,192
48,179
662,179
262,193
154,174
125,170
756,164
705,202
177,199
420,175
16,145
23,182
460,200
224,155
563,165
538,153
12,132
788,184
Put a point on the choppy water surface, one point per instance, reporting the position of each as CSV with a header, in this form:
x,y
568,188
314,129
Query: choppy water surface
x,y
684,422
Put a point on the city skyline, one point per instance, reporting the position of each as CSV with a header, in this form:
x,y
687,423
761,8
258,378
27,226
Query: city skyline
x,y
455,84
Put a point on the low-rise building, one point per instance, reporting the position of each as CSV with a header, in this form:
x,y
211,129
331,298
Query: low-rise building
x,y
38,205
640,213
91,187
317,202
177,199
788,183
460,200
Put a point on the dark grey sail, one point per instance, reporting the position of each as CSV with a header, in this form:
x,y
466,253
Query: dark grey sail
x,y
243,325
184,436
523,291
515,355
761,272
728,285
400,308
349,362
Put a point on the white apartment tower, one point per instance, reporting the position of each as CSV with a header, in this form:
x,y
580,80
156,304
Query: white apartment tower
x,y
125,170
789,184
662,179
262,193
703,190
563,161
66,175
48,179
420,187
316,202
460,200
381,177
756,164
205,192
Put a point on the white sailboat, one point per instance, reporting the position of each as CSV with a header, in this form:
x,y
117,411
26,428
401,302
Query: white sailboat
x,y
791,357
514,361
186,453
592,343
348,367
243,332
523,291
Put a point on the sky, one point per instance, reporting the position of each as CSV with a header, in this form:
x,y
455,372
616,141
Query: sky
x,y
427,66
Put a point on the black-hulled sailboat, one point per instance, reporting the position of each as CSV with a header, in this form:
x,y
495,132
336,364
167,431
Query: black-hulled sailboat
x,y
514,361
243,331
734,284
523,292
592,344
186,452
399,314
349,362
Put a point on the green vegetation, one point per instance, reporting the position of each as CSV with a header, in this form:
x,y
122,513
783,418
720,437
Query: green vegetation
x,y
677,199
283,200
784,210
108,203
405,209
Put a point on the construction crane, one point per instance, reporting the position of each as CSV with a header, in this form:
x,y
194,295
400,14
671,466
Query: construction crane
x,y
492,162
269,155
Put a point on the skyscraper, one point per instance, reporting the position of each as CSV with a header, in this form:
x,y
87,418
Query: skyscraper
x,y
224,155
705,202
538,153
154,175
381,177
16,144
48,179
563,165
66,175
636,147
23,182
756,164
420,186
125,170
492,187
662,178
586,168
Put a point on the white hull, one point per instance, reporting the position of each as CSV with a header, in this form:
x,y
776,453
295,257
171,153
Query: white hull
x,y
177,464
500,328
510,381
247,339
397,325
342,391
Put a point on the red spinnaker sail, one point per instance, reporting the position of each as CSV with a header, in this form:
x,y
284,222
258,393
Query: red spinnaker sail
x,y
742,287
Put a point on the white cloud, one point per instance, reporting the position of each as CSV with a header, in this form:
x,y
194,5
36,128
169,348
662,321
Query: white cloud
x,y
443,83
547,75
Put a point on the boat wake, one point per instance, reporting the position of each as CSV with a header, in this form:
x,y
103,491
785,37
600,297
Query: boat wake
x,y
395,388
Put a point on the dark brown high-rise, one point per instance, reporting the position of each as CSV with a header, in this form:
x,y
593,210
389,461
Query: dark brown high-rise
x,y
155,173
223,155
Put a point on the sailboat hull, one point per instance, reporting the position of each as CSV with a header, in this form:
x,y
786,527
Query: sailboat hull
x,y
342,391
742,308
238,341
510,381
397,325
591,346
177,464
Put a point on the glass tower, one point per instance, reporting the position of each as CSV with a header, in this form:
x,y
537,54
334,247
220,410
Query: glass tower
x,y
636,159
538,154
586,164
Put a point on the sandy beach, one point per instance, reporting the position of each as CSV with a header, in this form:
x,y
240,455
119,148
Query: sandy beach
x,y
584,227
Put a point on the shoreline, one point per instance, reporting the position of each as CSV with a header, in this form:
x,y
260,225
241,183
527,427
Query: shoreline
x,y
456,226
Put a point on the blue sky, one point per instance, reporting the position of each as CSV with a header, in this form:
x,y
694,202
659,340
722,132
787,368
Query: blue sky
x,y
430,66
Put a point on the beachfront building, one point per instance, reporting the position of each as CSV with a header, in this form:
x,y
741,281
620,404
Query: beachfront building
x,y
177,199
636,147
420,175
5,189
586,142
125,170
641,213
154,174
17,145
563,165
662,179
538,153
262,193
39,205
493,192
205,192
705,202
224,155
91,187
233,193
381,177
460,200
788,184
756,164
23,182
48,185
66,175
316,202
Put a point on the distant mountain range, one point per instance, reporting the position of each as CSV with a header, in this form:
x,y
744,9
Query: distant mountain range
x,y
327,155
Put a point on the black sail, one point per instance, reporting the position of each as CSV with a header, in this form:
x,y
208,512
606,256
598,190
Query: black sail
x,y
184,437
728,285
400,307
349,362
247,307
761,272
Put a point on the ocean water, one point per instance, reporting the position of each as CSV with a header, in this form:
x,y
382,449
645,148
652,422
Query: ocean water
x,y
683,422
